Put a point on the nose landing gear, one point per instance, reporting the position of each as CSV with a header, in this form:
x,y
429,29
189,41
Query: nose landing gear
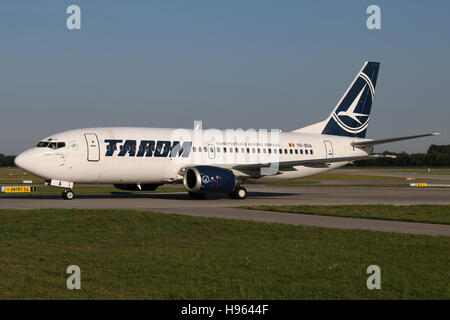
x,y
68,194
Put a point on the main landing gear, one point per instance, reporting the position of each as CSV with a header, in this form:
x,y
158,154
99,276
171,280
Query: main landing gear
x,y
68,194
238,193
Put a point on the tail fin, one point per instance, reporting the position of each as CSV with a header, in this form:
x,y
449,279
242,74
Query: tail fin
x,y
351,115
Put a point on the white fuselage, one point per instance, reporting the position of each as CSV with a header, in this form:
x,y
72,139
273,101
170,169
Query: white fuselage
x,y
145,155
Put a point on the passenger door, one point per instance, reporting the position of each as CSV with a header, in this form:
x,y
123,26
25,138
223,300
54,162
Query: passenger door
x,y
93,147
328,149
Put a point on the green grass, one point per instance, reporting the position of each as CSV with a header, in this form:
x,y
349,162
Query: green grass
x,y
144,255
414,213
85,190
15,176
305,183
336,176
336,179
439,170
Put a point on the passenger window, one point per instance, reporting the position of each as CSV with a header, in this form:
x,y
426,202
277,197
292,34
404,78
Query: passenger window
x,y
211,149
296,151
218,149
205,149
290,151
236,150
310,151
248,150
194,149
224,150
301,151
231,150
242,150
306,151
285,151
281,151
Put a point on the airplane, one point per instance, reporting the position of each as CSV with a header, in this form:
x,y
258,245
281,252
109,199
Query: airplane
x,y
209,161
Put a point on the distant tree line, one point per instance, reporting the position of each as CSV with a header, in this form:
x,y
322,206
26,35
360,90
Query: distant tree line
x,y
436,156
6,161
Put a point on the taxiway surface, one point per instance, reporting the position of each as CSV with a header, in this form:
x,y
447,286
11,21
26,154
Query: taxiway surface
x,y
222,207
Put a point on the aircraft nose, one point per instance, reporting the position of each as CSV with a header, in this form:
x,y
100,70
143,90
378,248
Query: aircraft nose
x,y
24,160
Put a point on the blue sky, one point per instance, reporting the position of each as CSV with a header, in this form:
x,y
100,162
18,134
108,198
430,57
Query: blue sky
x,y
233,64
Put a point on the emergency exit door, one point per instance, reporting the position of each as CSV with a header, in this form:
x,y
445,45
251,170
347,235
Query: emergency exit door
x,y
93,147
211,151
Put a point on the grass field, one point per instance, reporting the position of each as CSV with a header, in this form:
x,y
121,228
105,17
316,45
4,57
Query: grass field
x,y
145,255
15,176
414,213
336,179
438,170
98,190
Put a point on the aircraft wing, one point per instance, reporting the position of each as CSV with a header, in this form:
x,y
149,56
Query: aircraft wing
x,y
373,142
310,162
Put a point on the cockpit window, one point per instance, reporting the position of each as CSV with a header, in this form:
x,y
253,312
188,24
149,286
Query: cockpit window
x,y
51,145
42,144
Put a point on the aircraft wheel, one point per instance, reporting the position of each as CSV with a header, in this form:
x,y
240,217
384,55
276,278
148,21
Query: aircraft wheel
x,y
68,194
239,193
197,195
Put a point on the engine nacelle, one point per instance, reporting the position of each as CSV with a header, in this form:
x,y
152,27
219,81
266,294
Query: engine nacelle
x,y
134,187
203,179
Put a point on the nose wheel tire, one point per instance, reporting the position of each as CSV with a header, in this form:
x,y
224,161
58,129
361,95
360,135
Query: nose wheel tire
x,y
239,193
68,194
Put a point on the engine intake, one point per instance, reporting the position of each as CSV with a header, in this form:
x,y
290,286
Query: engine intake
x,y
203,179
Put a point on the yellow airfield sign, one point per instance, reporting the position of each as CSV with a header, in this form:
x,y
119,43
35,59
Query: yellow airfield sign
x,y
17,189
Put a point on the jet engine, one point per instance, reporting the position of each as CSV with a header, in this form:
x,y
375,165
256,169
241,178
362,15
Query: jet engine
x,y
204,179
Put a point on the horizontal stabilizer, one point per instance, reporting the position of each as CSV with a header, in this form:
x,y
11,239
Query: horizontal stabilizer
x,y
373,142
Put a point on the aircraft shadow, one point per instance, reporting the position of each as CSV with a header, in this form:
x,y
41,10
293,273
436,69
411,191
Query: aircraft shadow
x,y
168,196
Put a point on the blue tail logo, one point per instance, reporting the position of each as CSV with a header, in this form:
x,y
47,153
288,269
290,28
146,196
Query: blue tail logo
x,y
352,113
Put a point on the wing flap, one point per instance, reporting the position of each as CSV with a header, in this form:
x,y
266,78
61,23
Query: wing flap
x,y
309,162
